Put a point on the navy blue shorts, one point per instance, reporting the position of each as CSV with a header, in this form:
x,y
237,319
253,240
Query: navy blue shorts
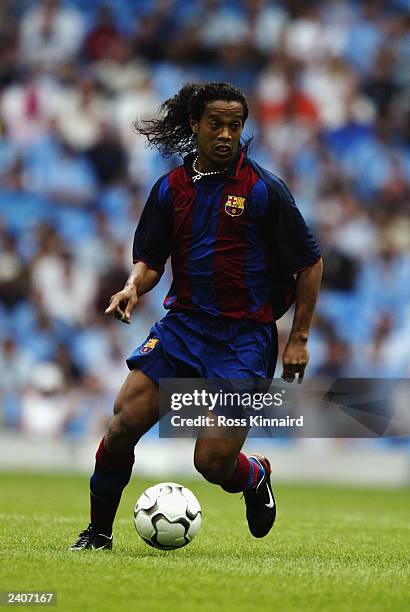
x,y
197,345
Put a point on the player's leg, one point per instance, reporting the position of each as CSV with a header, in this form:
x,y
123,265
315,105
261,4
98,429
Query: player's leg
x,y
216,453
249,474
135,412
219,459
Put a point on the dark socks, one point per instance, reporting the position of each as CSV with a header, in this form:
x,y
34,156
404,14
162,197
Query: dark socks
x,y
111,475
246,476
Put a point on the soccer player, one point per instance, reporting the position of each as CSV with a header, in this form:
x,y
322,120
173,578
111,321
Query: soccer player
x,y
241,253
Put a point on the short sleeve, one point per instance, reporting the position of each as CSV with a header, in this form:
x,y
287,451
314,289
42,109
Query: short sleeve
x,y
152,239
294,243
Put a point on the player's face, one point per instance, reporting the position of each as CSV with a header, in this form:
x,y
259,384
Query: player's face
x,y
218,131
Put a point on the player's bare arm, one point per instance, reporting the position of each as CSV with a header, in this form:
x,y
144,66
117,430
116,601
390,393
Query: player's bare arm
x,y
296,354
141,280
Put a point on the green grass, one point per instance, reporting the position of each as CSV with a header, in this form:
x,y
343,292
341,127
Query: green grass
x,y
332,548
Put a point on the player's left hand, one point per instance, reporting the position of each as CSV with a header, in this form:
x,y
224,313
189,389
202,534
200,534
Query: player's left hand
x,y
295,359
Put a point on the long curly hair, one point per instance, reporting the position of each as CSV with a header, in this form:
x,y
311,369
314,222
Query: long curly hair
x,y
171,133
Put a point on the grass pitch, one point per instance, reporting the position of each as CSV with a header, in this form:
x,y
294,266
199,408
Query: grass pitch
x,y
331,548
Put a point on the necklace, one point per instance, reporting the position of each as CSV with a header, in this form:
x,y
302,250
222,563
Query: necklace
x,y
198,174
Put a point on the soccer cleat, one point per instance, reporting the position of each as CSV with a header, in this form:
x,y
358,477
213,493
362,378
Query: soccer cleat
x,y
260,502
91,539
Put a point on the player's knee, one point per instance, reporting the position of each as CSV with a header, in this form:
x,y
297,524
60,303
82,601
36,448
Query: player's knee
x,y
123,432
129,413
213,467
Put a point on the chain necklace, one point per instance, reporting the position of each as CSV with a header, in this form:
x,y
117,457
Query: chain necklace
x,y
198,174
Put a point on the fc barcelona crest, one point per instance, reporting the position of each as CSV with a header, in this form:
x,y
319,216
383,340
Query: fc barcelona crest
x,y
149,345
234,205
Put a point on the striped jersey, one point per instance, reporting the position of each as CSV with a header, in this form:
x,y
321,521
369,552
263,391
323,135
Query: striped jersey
x,y
236,240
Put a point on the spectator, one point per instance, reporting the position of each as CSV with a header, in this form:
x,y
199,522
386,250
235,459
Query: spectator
x,y
108,157
26,107
155,29
80,113
13,273
51,33
102,35
66,290
280,96
119,70
46,409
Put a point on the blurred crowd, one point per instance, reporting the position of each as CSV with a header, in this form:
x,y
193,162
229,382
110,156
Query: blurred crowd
x,y
328,85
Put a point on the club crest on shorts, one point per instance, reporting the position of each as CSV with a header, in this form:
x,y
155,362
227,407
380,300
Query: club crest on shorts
x,y
234,205
149,345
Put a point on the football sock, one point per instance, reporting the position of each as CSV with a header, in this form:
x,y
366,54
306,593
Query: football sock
x,y
247,475
111,475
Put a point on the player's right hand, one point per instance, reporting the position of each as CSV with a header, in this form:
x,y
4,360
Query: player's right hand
x,y
122,304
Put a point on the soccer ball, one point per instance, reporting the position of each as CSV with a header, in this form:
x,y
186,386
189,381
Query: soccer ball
x,y
167,516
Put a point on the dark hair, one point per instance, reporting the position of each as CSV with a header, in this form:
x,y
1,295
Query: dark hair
x,y
172,133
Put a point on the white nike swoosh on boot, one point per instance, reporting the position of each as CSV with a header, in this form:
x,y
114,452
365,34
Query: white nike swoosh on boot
x,y
271,502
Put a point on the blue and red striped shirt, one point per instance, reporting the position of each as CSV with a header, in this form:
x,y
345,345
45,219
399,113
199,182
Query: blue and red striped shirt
x,y
236,241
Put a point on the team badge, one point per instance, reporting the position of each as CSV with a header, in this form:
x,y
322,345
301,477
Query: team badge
x,y
149,345
234,205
